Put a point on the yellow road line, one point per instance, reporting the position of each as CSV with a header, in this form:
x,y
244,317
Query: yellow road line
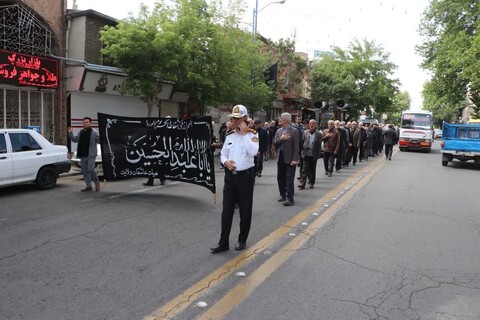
x,y
244,289
178,304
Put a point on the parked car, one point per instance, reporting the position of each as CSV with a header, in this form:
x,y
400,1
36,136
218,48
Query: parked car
x,y
369,121
438,133
98,162
26,156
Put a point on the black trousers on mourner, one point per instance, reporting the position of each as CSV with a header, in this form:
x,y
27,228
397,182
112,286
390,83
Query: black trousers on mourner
x,y
238,188
285,178
328,161
309,170
388,151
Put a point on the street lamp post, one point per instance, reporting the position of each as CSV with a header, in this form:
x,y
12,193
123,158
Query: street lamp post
x,y
255,15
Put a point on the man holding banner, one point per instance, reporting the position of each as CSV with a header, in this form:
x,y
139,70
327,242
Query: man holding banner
x,y
239,149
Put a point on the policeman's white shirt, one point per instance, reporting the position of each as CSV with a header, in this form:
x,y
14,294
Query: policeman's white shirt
x,y
241,149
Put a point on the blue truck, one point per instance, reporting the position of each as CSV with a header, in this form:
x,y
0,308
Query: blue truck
x,y
461,142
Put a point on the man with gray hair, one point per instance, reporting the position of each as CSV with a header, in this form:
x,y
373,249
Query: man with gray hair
x,y
339,159
311,152
346,129
331,147
287,143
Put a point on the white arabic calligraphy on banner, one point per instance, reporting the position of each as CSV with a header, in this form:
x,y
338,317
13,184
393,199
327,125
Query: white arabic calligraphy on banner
x,y
177,149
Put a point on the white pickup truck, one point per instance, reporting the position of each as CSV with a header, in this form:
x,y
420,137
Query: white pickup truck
x,y
26,156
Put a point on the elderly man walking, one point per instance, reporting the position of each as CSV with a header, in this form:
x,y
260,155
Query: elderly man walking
x,y
331,147
390,140
311,152
287,143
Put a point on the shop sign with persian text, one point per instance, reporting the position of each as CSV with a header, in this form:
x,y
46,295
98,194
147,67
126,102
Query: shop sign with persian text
x,y
26,70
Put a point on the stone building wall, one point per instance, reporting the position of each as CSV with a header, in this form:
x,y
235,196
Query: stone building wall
x,y
52,12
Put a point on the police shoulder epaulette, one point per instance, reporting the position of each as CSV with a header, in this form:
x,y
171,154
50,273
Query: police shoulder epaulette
x,y
252,130
230,131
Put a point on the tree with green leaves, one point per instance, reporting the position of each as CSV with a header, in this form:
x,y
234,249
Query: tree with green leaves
x,y
291,67
195,46
362,76
438,104
401,102
451,51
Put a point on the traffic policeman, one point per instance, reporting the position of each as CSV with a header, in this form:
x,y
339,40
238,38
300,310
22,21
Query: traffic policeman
x,y
239,148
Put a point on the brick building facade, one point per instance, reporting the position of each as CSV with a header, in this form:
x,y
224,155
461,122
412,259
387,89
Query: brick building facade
x,y
34,32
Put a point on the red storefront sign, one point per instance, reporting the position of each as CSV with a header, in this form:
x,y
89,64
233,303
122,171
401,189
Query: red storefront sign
x,y
23,69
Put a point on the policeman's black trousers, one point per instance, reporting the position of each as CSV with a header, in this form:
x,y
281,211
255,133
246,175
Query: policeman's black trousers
x,y
238,188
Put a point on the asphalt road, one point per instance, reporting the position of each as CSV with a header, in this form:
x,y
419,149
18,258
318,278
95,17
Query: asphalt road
x,y
392,239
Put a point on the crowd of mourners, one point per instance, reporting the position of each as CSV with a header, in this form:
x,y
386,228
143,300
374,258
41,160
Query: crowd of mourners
x,y
341,144
247,143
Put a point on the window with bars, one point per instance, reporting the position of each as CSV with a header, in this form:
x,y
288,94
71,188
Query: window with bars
x,y
21,31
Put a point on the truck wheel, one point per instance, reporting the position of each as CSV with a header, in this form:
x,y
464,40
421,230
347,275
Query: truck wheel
x,y
46,178
444,163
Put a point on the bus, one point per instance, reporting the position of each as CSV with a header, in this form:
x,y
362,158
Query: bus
x,y
416,130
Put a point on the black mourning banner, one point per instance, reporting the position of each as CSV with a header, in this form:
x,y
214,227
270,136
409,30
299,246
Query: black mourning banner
x,y
178,149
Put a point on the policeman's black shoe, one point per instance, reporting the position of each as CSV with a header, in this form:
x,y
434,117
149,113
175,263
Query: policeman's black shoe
x,y
219,248
326,173
147,184
311,185
259,174
288,203
329,174
282,199
240,246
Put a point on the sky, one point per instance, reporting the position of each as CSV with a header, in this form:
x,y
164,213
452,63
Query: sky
x,y
316,25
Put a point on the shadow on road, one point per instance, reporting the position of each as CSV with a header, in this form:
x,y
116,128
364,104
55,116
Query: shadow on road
x,y
455,164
